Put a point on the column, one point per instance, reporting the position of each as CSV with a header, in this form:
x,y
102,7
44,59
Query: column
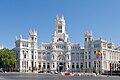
x,y
29,66
46,65
75,66
20,66
41,65
70,66
55,64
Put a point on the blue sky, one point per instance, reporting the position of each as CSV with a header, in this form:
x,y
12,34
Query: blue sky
x,y
102,17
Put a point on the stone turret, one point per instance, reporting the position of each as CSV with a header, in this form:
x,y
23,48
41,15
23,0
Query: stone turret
x,y
60,25
33,35
88,36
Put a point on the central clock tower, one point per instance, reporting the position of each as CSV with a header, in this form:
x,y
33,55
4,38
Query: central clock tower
x,y
60,33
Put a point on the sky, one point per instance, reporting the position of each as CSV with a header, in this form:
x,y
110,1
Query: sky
x,y
17,17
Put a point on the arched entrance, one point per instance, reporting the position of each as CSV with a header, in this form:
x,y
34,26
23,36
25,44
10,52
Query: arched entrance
x,y
61,67
61,63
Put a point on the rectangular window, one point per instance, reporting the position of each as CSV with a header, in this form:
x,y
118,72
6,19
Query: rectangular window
x,y
32,63
86,64
48,56
89,57
89,64
73,56
94,64
85,39
35,64
59,31
32,56
59,27
44,65
86,57
77,56
39,65
97,45
53,65
44,57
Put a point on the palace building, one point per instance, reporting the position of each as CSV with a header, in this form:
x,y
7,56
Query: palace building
x,y
61,55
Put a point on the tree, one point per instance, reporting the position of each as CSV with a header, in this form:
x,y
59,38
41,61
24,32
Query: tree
x,y
95,71
34,68
7,58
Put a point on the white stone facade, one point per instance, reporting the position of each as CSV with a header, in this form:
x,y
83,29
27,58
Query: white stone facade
x,y
62,55
27,52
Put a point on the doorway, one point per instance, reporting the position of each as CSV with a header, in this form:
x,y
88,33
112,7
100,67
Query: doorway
x,y
61,67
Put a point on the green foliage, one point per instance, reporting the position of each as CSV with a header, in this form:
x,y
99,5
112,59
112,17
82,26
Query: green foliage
x,y
34,68
29,68
39,68
7,58
95,71
43,68
88,70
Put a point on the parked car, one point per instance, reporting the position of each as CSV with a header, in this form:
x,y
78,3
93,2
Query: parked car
x,y
40,71
54,72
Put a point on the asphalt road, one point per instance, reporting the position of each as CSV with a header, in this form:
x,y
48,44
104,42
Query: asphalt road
x,y
33,76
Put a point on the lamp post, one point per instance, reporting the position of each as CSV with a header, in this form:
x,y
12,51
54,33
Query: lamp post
x,y
111,68
96,67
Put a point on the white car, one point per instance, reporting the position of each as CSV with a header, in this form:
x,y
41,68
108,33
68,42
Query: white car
x,y
54,72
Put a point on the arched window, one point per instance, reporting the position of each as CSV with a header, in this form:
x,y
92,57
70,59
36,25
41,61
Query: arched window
x,y
72,65
68,57
77,65
73,56
48,56
48,65
85,39
68,65
24,55
53,65
81,65
44,65
60,58
77,56
89,64
60,39
53,57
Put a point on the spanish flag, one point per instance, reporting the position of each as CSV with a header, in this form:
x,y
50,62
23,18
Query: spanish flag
x,y
99,53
